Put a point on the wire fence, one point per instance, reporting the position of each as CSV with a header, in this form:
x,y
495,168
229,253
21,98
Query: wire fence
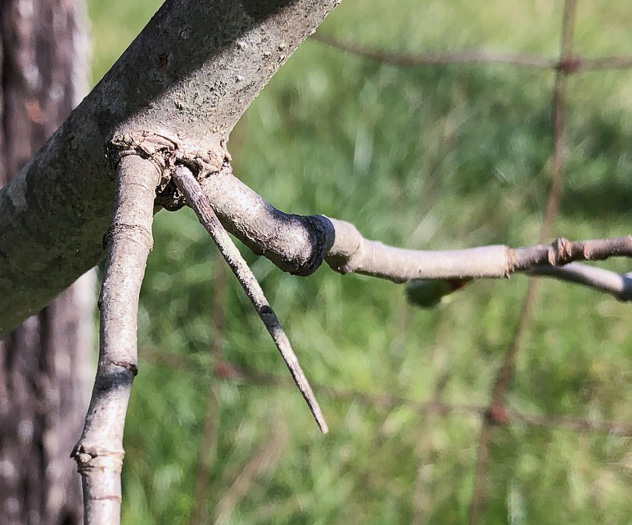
x,y
497,413
495,416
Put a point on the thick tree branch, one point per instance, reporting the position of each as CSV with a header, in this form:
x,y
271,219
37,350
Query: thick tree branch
x,y
209,66
197,201
189,75
99,452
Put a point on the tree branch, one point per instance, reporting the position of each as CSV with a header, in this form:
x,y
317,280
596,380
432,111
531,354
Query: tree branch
x,y
226,371
432,59
498,401
99,452
299,244
186,182
617,285
191,82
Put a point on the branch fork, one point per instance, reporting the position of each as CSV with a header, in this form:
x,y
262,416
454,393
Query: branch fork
x,y
147,164
141,161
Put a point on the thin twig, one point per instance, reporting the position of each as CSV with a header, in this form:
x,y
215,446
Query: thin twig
x,y
189,186
422,501
497,406
604,63
265,459
479,495
617,285
99,452
444,408
352,253
569,64
498,402
572,424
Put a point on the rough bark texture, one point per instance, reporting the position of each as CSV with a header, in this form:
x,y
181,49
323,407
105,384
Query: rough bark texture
x,y
189,75
44,363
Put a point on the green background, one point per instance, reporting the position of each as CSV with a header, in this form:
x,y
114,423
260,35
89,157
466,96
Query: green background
x,y
431,158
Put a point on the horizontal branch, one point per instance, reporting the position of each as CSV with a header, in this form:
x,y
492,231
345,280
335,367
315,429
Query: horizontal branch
x,y
562,251
573,424
602,64
229,372
433,59
570,65
299,244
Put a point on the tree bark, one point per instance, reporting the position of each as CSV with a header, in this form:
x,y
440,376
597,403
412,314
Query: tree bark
x,y
186,79
45,363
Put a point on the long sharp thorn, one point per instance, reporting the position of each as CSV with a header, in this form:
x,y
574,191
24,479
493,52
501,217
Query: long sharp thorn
x,y
191,189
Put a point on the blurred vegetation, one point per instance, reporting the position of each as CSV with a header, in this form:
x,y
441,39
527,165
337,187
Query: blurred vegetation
x,y
447,156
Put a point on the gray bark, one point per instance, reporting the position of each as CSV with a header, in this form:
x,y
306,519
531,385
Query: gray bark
x,y
299,244
174,96
99,451
44,364
188,76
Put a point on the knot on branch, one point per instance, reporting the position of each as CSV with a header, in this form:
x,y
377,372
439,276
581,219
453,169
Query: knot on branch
x,y
151,146
130,366
92,457
165,151
322,235
560,252
497,415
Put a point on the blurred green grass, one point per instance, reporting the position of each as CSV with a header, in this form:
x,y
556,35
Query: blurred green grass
x,y
436,157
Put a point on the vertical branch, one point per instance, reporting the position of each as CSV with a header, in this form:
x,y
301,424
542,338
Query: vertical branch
x,y
496,410
497,406
266,459
99,452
